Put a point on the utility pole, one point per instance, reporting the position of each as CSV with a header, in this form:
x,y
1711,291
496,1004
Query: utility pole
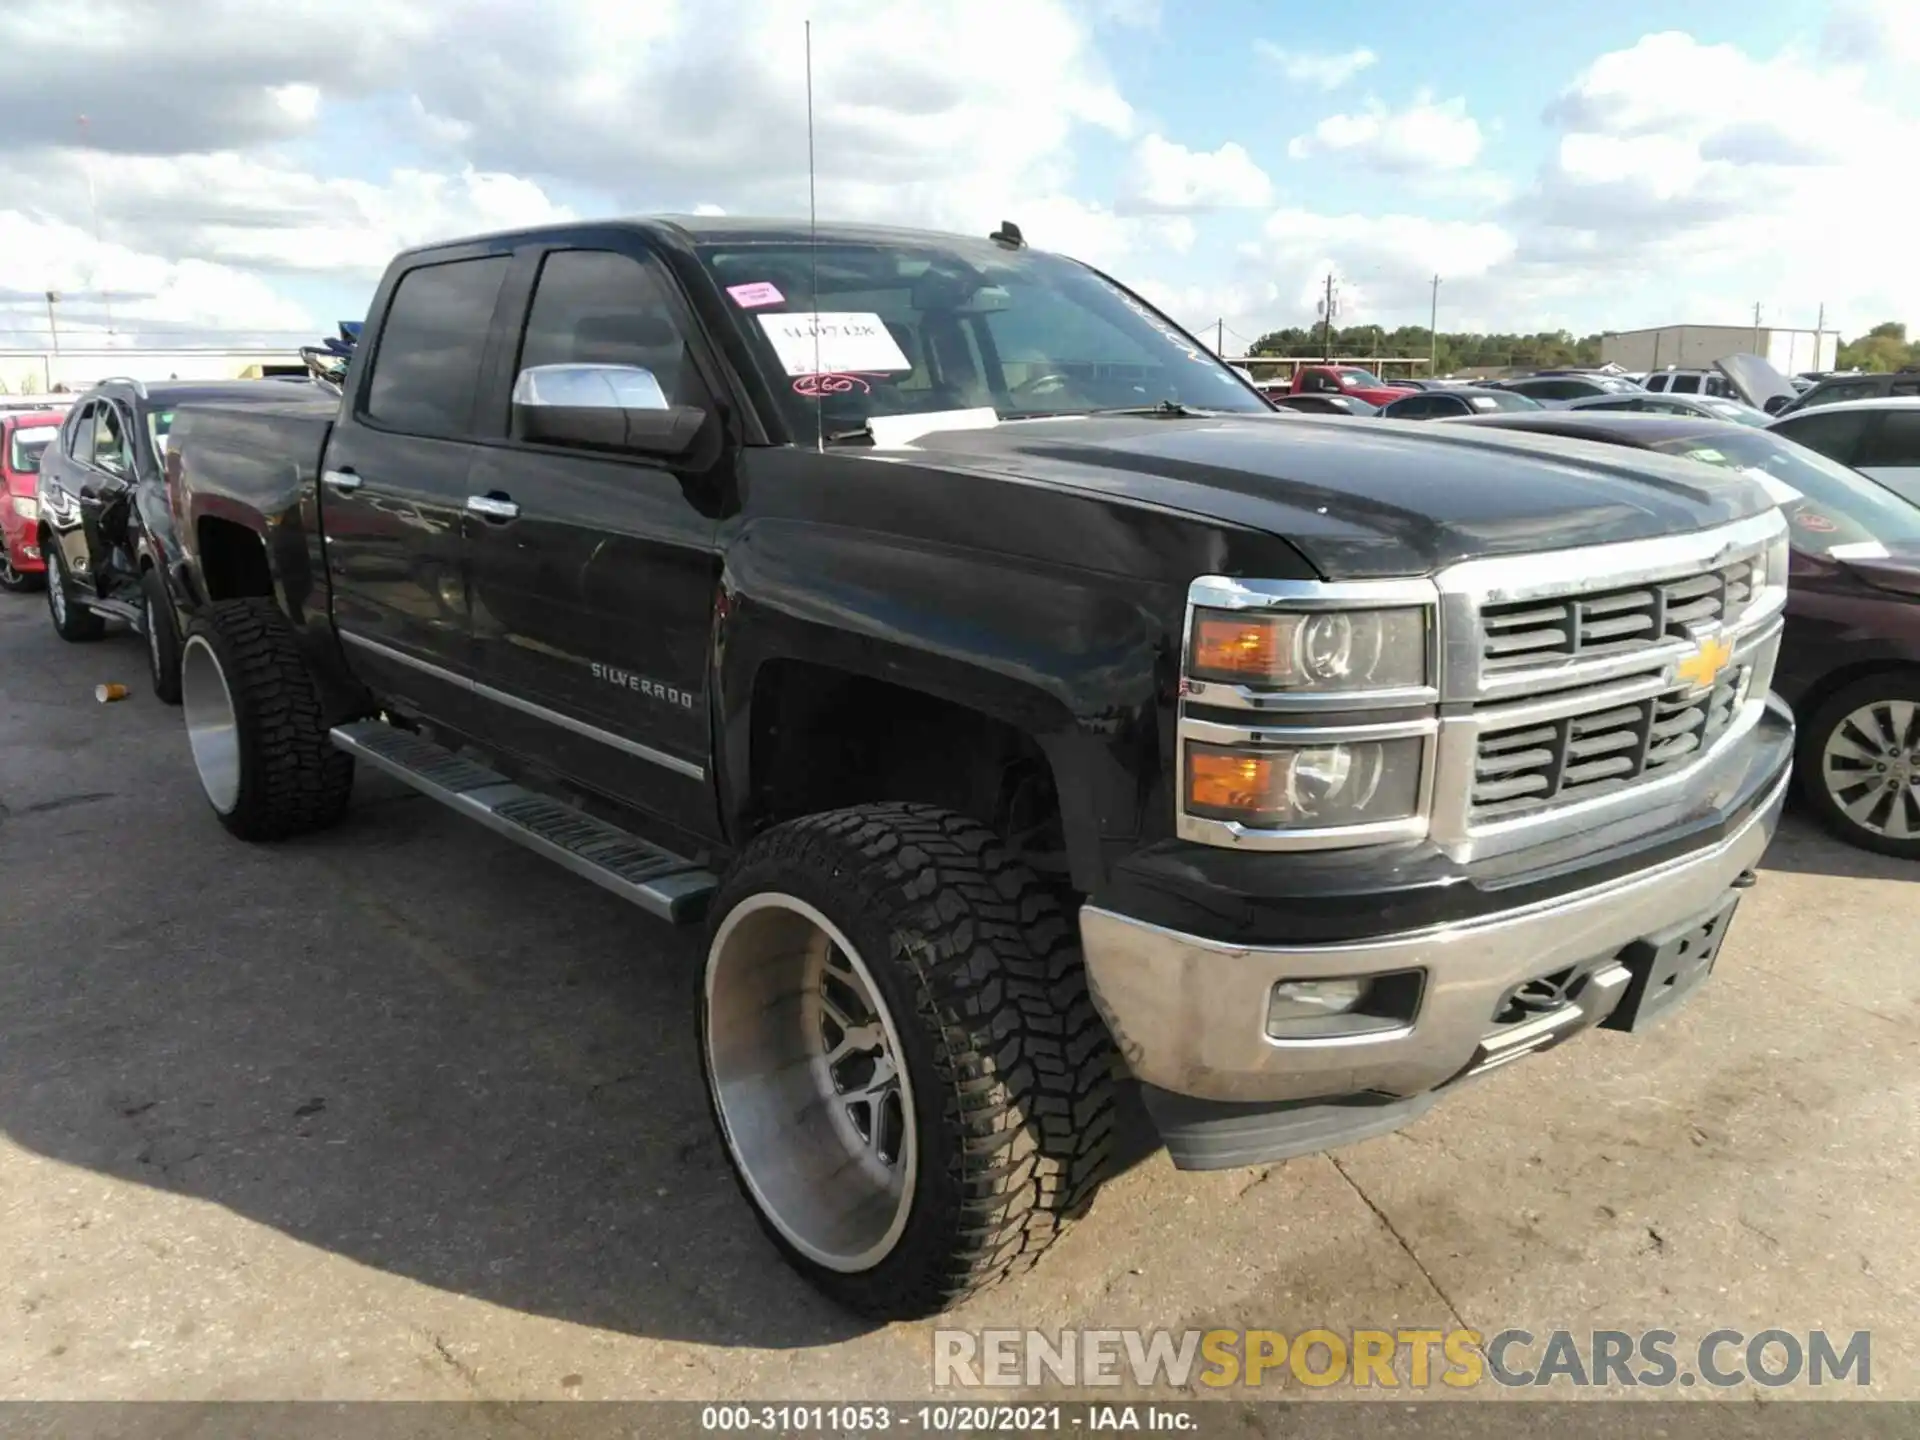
x,y
93,204
53,327
1433,331
1220,338
1756,328
1819,329
1326,334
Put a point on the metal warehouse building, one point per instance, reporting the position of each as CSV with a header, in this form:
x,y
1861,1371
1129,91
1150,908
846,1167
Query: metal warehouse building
x,y
1696,347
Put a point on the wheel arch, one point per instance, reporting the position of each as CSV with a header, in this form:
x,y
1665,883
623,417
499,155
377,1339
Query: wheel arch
x,y
1830,684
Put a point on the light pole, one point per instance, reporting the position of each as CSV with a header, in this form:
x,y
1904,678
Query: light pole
x,y
53,298
1433,331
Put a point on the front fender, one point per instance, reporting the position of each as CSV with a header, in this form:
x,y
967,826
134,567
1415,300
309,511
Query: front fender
x,y
1079,660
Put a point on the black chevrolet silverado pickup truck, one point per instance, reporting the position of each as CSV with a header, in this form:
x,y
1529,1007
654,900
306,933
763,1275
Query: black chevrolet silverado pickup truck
x,y
1027,708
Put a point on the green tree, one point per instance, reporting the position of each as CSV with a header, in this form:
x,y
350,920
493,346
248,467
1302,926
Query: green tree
x,y
1884,347
1454,350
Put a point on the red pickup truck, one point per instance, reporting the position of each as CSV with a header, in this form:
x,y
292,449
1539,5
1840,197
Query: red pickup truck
x,y
1345,380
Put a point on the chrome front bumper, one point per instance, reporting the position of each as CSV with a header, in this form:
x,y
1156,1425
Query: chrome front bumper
x,y
1189,1014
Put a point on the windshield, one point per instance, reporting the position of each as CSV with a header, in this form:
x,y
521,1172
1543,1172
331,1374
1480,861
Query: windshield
x,y
1827,505
159,426
925,328
1733,410
1613,385
23,451
1360,377
1491,400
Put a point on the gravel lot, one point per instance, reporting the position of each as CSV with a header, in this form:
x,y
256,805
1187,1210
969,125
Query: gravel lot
x,y
400,1112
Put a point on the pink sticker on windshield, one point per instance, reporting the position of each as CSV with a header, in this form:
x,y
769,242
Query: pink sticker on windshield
x,y
758,293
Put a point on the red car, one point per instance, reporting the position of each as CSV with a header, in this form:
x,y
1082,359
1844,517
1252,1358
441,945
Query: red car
x,y
22,437
1349,380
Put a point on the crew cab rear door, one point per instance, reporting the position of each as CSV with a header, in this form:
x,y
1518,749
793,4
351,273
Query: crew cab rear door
x,y
595,571
394,487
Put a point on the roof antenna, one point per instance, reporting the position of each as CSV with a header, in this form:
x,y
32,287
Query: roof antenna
x,y
813,261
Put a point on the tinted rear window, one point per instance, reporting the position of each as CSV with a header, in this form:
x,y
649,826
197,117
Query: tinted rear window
x,y
427,367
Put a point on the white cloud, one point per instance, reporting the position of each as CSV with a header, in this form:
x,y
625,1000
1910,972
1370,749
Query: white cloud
x,y
149,293
1327,70
1170,178
300,101
1681,182
1871,32
254,212
1427,135
922,116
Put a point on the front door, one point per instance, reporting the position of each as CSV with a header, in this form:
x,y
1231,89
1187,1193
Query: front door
x,y
106,497
393,495
595,575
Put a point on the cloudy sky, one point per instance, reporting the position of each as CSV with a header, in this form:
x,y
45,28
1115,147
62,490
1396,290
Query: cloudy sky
x,y
1600,165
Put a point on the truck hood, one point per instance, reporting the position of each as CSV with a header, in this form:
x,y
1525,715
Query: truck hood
x,y
1363,499
1754,380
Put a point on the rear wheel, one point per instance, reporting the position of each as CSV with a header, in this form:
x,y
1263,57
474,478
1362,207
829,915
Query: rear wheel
x,y
1860,763
163,638
256,725
911,1083
72,621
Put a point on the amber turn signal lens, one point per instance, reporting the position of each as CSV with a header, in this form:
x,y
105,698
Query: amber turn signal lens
x,y
1257,649
1229,780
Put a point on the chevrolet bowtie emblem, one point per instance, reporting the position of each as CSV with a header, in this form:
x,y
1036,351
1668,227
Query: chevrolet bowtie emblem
x,y
1701,668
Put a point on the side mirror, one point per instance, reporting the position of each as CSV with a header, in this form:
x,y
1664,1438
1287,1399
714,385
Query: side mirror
x,y
1777,403
602,407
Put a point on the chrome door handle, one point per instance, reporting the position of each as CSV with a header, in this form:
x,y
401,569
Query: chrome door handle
x,y
343,482
491,507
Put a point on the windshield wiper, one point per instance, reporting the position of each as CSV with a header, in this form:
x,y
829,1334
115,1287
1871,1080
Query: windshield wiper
x,y
1165,410
859,435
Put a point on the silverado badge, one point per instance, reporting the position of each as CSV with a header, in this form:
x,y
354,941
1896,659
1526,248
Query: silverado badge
x,y
1700,669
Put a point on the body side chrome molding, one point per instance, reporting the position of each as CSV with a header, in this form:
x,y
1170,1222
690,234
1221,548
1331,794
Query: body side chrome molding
x,y
527,707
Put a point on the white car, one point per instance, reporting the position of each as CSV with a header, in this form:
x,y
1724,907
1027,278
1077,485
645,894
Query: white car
x,y
1879,438
1675,381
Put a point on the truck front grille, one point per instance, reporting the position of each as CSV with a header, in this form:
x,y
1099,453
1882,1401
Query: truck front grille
x,y
1523,634
1525,767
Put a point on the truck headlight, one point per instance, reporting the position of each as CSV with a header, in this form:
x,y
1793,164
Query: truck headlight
x,y
1305,786
26,507
1311,650
1779,555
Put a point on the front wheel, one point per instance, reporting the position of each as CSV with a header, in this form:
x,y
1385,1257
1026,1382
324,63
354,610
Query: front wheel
x,y
913,1088
1860,763
256,725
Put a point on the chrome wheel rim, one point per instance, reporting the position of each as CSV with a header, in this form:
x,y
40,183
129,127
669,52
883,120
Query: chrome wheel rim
x,y
1871,768
212,730
806,1069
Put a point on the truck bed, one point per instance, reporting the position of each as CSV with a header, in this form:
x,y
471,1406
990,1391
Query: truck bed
x,y
256,467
